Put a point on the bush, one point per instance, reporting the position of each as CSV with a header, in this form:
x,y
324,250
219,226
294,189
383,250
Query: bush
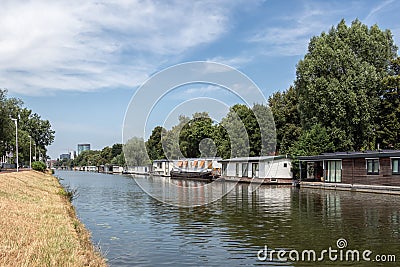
x,y
39,166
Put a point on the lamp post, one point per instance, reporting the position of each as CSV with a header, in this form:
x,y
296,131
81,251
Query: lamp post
x,y
30,152
16,138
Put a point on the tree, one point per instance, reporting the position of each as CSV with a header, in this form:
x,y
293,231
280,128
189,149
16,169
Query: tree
x,y
233,138
389,111
154,143
338,83
170,141
29,124
311,142
198,130
266,140
135,152
88,158
106,155
284,107
116,150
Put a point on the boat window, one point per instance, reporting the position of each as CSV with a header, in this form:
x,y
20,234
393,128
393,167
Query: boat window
x,y
372,166
396,166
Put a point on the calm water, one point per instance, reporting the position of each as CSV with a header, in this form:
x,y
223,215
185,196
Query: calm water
x,y
134,229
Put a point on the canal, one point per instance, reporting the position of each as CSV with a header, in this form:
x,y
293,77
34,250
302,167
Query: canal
x,y
133,229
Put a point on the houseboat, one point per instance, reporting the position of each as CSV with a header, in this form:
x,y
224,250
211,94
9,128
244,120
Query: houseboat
x,y
142,170
264,169
162,167
196,168
368,169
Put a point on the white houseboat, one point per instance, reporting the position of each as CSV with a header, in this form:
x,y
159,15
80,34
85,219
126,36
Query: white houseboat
x,y
142,170
162,167
264,169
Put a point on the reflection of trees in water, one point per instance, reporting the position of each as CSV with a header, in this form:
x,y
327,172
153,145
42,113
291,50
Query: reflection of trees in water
x,y
285,217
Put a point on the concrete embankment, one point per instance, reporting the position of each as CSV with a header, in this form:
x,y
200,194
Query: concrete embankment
x,y
38,224
392,190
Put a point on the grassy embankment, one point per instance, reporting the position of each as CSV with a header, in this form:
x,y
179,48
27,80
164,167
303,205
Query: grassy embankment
x,y
38,225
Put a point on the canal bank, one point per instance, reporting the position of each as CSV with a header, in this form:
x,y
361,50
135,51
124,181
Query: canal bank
x,y
38,224
379,189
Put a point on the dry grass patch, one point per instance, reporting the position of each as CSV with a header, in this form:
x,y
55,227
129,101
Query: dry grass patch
x,y
38,225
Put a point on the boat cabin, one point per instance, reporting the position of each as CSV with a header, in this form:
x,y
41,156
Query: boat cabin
x,y
274,168
162,167
198,165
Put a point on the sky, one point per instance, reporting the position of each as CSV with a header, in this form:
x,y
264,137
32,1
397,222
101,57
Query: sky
x,y
78,64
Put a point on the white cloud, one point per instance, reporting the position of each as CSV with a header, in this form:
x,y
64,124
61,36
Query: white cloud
x,y
85,45
375,10
292,35
235,62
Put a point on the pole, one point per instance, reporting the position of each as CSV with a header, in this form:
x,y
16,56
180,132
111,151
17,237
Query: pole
x,y
35,152
16,139
30,152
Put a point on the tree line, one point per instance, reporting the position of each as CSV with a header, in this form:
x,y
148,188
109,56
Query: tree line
x,y
29,124
244,131
107,156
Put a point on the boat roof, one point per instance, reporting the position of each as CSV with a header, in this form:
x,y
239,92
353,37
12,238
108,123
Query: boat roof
x,y
253,159
353,154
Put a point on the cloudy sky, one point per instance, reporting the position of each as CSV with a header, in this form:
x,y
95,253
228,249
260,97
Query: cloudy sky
x,y
78,63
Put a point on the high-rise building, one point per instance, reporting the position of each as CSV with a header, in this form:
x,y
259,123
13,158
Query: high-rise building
x,y
72,154
65,156
83,147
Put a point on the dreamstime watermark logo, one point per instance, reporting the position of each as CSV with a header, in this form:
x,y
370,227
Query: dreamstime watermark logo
x,y
338,253
202,87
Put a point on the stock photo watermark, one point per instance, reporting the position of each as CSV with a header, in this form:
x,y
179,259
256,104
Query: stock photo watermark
x,y
339,253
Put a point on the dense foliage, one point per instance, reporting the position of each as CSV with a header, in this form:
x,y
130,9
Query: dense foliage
x,y
107,156
339,83
346,95
243,131
39,166
29,124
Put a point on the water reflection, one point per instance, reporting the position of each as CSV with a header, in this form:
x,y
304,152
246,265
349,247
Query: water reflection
x,y
136,229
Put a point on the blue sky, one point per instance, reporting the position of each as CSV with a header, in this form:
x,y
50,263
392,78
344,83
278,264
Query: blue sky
x,y
78,63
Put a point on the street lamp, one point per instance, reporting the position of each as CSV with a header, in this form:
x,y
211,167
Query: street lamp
x,y
30,152
16,138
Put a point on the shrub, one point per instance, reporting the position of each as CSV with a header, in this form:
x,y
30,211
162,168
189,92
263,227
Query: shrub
x,y
39,166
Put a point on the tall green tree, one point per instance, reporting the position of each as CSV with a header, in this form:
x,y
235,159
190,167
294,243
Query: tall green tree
x,y
116,150
29,124
171,140
233,139
198,130
154,143
284,107
265,137
339,80
389,111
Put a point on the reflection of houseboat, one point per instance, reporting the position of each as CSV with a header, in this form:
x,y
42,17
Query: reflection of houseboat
x,y
196,168
264,169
